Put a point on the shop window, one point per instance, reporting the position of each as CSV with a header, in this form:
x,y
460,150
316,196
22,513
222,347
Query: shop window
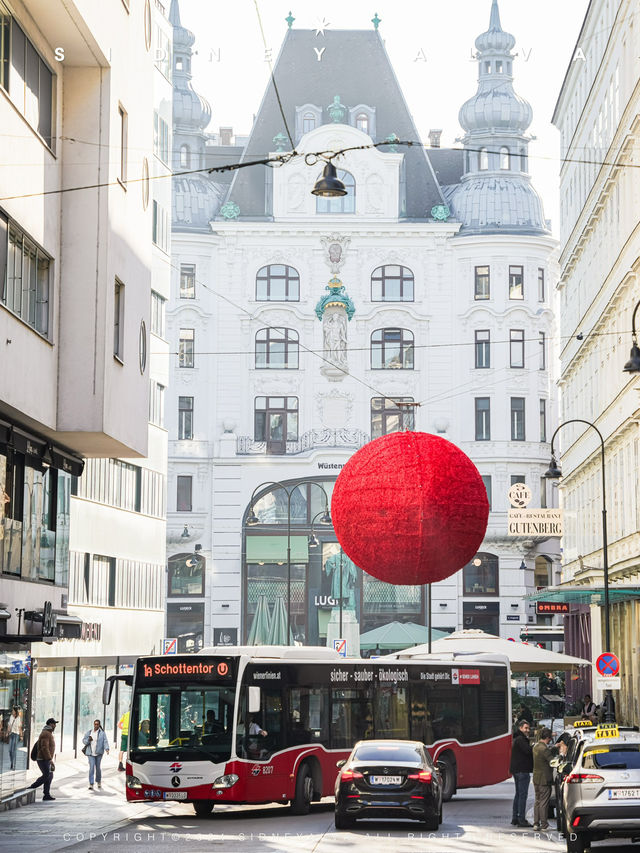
x,y
392,283
392,349
186,574
480,576
342,204
277,283
388,416
186,623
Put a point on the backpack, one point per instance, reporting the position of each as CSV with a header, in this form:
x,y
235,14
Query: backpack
x,y
34,751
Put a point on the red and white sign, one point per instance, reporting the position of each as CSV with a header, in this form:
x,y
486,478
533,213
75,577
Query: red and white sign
x,y
465,676
608,664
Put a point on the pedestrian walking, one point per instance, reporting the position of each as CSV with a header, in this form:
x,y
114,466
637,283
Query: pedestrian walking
x,y
521,767
45,752
15,730
96,744
542,779
123,725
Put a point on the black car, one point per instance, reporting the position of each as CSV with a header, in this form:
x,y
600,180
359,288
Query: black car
x,y
388,778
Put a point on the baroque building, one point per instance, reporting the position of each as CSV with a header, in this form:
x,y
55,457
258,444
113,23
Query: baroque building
x,y
304,326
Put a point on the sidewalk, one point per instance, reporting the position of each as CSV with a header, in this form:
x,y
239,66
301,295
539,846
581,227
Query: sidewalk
x,y
46,827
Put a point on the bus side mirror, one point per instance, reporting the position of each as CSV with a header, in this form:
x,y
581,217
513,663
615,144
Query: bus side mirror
x,y
254,700
340,764
107,691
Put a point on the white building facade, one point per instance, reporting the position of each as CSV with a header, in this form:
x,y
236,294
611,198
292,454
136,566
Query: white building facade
x,y
438,266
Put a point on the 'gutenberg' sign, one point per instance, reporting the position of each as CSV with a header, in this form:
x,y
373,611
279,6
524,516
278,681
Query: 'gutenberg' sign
x,y
535,522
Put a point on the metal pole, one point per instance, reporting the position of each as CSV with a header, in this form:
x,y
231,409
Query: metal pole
x,y
341,592
288,566
429,612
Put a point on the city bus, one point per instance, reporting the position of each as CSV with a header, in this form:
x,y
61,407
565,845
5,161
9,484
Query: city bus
x,y
267,724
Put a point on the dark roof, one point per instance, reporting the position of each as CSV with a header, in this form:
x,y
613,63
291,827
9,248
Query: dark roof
x,y
448,164
355,66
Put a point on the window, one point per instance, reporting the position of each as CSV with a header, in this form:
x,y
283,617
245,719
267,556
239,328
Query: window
x,y
277,283
187,281
483,418
499,66
516,282
184,493
487,68
157,314
486,479
541,292
308,122
517,419
362,122
484,159
481,290
156,403
543,350
185,418
543,420
276,422
185,157
483,348
277,348
390,415
516,348
523,160
517,478
505,158
480,576
162,52
24,276
26,77
160,227
186,348
160,138
118,320
124,130
342,204
392,283
542,571
543,492
392,349
186,574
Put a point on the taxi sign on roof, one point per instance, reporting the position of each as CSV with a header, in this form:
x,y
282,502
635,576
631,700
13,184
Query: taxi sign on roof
x,y
582,724
607,730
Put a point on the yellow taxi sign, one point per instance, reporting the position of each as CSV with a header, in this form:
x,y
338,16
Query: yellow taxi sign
x,y
596,751
581,724
607,730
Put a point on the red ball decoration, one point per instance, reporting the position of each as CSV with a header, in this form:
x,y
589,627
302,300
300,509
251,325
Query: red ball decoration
x,y
410,508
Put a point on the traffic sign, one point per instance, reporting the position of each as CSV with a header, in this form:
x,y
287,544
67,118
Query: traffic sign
x,y
608,665
608,682
170,646
340,646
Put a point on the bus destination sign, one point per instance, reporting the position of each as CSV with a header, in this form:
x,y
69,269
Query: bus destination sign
x,y
186,669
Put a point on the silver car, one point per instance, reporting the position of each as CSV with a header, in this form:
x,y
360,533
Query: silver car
x,y
601,794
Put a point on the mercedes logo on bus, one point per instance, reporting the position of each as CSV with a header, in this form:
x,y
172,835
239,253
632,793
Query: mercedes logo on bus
x,y
175,781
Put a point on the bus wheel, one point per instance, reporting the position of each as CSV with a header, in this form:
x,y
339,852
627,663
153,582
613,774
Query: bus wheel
x,y
447,766
304,791
203,808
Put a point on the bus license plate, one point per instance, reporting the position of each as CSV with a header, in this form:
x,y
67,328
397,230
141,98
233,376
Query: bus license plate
x,y
624,793
175,795
386,780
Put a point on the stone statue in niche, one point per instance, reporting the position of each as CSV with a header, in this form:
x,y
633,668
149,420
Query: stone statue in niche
x,y
335,337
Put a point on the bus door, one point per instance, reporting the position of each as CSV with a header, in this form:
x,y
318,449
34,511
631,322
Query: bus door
x,y
259,735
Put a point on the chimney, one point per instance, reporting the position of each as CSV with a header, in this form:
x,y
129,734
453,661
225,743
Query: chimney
x,y
434,138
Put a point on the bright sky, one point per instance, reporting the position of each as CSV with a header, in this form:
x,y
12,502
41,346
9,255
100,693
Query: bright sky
x,y
231,73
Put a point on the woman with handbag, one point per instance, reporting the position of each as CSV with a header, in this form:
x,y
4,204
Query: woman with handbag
x,y
95,745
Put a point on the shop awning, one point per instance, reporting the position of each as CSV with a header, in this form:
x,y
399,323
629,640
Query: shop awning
x,y
399,635
273,549
586,594
38,450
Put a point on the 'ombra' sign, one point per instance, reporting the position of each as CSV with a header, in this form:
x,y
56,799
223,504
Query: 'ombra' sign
x,y
552,607
535,522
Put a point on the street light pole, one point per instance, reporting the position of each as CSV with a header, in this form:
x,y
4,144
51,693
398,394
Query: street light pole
x,y
554,473
341,553
633,365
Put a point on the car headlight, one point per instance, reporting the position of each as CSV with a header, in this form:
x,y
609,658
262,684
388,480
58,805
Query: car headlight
x,y
226,781
133,782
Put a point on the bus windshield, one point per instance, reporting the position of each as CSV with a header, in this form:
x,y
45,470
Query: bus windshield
x,y
190,716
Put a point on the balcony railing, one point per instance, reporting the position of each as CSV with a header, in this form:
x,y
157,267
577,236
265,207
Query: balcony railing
x,y
312,440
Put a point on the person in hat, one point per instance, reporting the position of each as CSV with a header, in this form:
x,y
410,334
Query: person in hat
x,y
46,750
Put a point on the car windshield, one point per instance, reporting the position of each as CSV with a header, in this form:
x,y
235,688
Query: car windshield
x,y
625,757
391,752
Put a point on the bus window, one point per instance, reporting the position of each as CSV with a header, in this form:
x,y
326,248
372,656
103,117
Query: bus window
x,y
392,713
421,728
260,734
446,712
470,714
308,716
351,717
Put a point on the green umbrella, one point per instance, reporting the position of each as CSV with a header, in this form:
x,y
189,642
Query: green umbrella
x,y
260,625
278,628
398,635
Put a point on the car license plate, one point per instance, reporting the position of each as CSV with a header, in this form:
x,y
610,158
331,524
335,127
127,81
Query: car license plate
x,y
175,795
624,793
385,780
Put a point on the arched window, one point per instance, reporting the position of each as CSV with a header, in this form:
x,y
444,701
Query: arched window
x,y
362,122
505,158
480,576
542,572
185,157
484,159
277,283
343,204
308,122
392,283
277,349
392,349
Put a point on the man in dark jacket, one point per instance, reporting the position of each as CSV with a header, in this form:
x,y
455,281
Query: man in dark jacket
x,y
46,751
521,767
542,779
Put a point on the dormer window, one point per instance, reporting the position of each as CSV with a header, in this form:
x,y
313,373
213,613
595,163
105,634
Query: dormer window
x,y
308,122
362,122
487,68
179,65
185,157
499,66
505,158
484,160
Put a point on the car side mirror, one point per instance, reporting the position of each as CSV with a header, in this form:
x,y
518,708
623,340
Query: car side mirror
x,y
556,762
340,764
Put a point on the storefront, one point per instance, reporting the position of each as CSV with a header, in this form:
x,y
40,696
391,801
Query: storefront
x,y
15,675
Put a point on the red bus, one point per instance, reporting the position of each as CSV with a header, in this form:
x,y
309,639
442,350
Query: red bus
x,y
267,724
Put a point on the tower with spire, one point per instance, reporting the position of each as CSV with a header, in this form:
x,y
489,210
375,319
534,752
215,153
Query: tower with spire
x,y
495,194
